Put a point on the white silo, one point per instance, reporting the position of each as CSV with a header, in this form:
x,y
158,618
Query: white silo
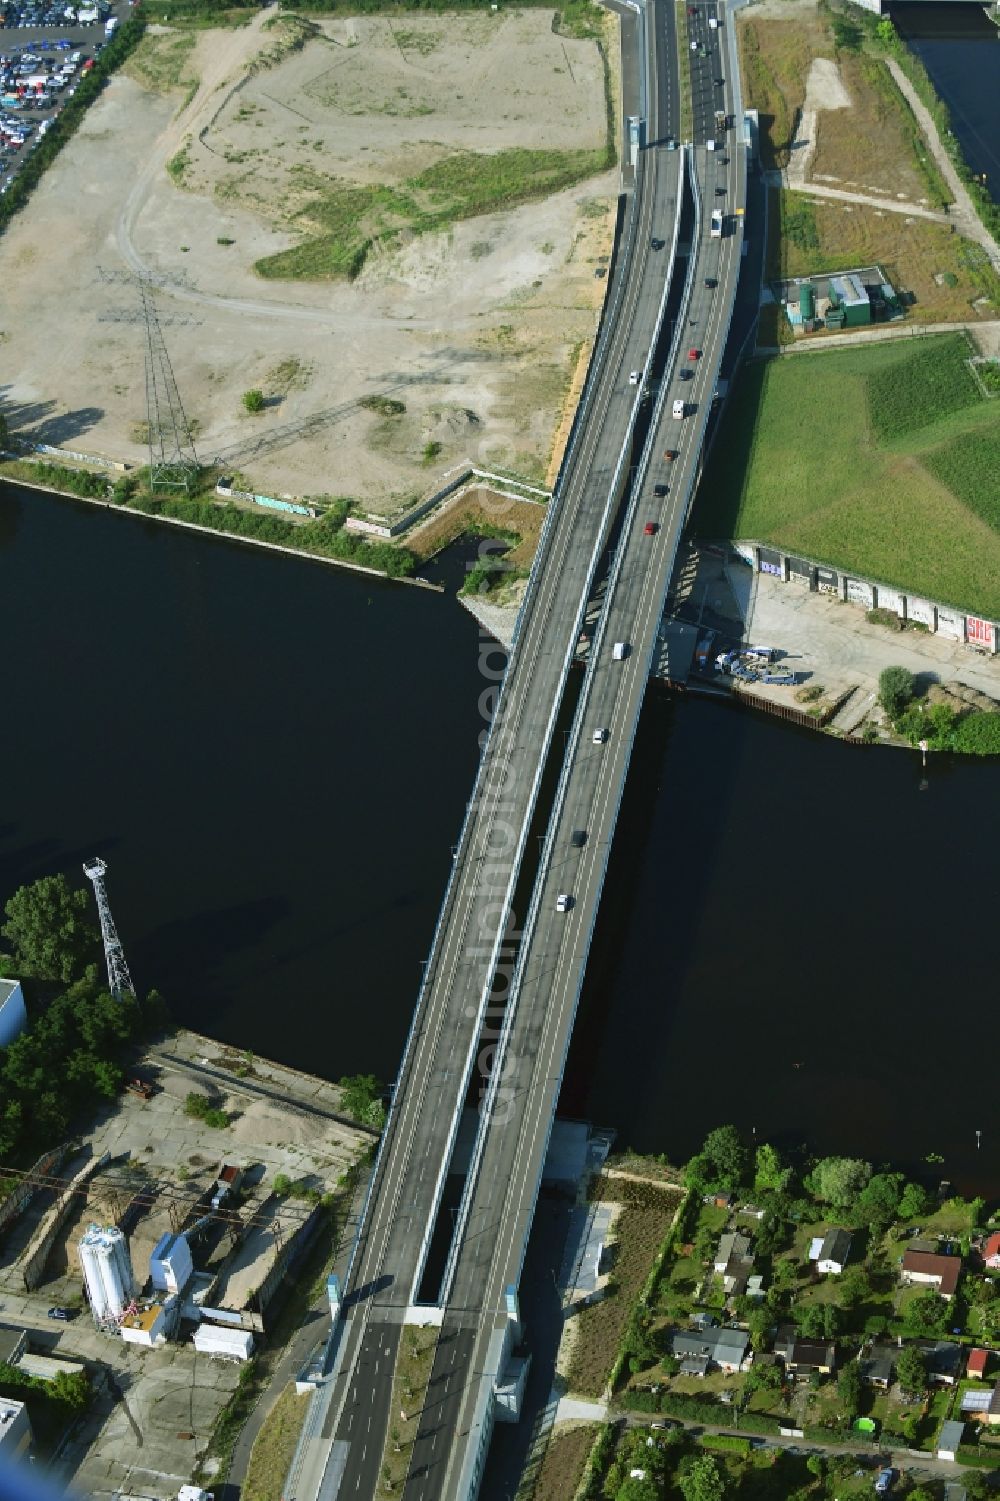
x,y
107,1271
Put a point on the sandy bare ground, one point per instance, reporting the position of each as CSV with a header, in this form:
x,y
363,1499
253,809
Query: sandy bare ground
x,y
824,91
476,329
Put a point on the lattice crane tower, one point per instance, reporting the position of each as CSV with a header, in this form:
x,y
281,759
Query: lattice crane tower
x,y
119,978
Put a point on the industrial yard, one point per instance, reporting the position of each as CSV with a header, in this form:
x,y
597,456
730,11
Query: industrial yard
x,y
158,1270
469,311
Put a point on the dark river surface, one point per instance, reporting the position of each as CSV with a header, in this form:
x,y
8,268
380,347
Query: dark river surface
x,y
274,758
960,48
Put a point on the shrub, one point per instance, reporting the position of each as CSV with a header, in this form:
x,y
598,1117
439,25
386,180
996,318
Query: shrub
x,y
977,734
730,1441
253,401
895,690
197,1105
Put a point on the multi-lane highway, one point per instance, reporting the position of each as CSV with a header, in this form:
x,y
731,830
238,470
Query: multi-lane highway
x,y
558,931
346,1432
441,1051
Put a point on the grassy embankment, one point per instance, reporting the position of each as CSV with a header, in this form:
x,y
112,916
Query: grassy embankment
x,y
944,276
884,460
324,537
343,223
640,1232
274,1447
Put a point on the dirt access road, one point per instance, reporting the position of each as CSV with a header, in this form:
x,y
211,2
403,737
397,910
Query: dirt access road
x,y
476,328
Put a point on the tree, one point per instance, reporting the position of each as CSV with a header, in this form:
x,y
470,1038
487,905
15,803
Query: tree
x,y
895,688
727,1154
853,1287
636,1489
47,925
911,1369
699,1173
839,1180
849,1389
769,1175
817,1320
915,1202
702,1481
253,400
926,1314
878,1202
363,1099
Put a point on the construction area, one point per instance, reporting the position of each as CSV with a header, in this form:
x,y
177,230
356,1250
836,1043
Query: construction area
x,y
158,1242
396,233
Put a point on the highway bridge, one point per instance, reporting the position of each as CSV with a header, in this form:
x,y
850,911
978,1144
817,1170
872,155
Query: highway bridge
x,y
660,304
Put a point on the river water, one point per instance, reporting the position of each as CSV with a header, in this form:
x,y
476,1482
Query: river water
x,y
960,48
274,758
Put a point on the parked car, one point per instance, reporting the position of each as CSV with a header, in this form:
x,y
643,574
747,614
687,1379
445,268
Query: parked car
x,y
62,1314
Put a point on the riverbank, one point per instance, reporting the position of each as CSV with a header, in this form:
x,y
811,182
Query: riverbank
x,y
218,532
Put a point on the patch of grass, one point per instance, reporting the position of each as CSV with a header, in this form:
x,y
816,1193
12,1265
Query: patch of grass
x,y
274,1447
640,1230
775,58
414,1363
555,1475
160,63
344,220
686,119
828,235
928,384
179,165
803,465
581,19
385,406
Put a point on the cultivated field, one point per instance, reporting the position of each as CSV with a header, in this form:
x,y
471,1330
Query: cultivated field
x,y
885,460
411,207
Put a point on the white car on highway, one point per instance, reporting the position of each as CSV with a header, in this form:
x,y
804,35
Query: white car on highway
x,y
563,901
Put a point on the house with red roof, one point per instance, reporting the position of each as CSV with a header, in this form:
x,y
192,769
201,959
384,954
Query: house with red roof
x,y
991,1251
978,1360
931,1269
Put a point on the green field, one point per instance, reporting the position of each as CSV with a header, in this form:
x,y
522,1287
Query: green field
x,y
882,460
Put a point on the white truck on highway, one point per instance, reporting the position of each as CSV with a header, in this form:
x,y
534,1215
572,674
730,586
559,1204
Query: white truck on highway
x,y
679,408
716,230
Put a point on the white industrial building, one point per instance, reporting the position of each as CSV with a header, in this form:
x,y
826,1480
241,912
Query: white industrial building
x,y
107,1272
146,1327
13,1016
233,1344
15,1428
170,1265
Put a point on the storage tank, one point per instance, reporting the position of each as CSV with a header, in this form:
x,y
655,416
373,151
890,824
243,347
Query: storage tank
x,y
107,1272
807,300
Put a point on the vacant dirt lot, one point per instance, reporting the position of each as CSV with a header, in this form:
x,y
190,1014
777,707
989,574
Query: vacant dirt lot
x,y
475,326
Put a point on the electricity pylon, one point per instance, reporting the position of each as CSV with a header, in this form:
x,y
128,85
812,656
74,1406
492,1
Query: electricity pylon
x,y
119,979
173,463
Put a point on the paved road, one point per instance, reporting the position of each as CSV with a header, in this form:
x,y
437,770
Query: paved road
x,y
556,943
442,1049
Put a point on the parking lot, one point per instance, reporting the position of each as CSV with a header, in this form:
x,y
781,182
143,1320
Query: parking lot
x,y
45,49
